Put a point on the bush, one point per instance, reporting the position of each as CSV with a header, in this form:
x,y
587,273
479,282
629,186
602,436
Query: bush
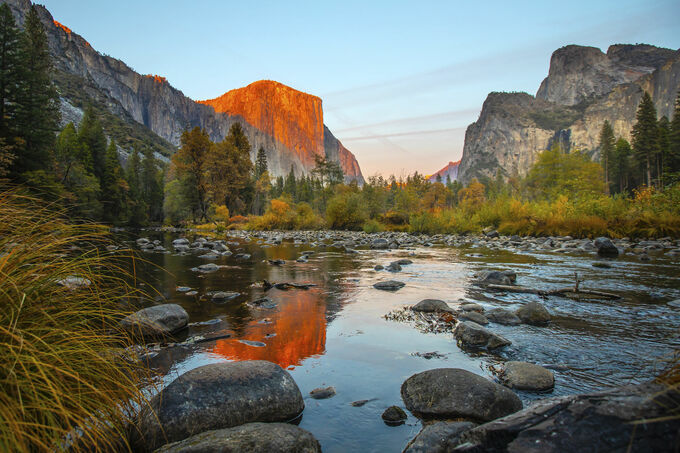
x,y
346,212
372,226
61,370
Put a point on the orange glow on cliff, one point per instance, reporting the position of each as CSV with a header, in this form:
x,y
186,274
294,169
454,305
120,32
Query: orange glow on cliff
x,y
299,323
292,117
156,78
63,27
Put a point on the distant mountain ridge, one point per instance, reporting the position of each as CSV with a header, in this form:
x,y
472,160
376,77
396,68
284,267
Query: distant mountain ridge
x,y
84,76
450,172
584,87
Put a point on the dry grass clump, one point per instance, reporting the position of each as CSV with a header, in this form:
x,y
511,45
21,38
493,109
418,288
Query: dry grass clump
x,y
63,381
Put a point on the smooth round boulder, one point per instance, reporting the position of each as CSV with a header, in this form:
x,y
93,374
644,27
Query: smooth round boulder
x,y
503,316
252,437
471,334
389,285
439,437
156,322
471,306
533,313
393,267
447,393
605,247
494,278
217,396
527,376
431,305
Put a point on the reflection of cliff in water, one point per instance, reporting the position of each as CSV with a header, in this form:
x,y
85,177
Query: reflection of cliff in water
x,y
299,325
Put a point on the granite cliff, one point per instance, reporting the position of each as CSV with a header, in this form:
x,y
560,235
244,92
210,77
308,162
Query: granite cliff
x,y
584,88
152,111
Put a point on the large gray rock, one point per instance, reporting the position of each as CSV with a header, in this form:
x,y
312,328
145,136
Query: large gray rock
x,y
503,316
527,376
605,247
439,437
217,396
469,333
252,437
494,278
533,313
446,393
431,305
389,285
474,316
607,421
157,321
380,244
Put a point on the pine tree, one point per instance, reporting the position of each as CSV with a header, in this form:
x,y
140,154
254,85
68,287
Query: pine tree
x,y
67,151
621,165
290,184
138,209
37,115
91,136
662,149
152,187
113,187
9,72
607,147
644,134
438,178
260,163
673,161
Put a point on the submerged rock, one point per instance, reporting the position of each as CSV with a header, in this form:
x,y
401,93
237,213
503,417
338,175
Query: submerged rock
x,y
156,322
224,296
533,313
474,316
527,376
251,437
595,422
393,267
389,285
439,437
446,393
322,393
394,416
216,396
503,316
470,333
432,305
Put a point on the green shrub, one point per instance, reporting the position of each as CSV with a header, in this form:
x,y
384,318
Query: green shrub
x,y
373,226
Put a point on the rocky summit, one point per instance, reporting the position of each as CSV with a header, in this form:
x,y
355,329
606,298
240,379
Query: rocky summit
x,y
287,123
584,87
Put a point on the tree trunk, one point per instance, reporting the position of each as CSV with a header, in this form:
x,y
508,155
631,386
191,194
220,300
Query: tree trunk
x,y
649,173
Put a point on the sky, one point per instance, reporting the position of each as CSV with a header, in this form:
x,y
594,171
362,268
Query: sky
x,y
400,80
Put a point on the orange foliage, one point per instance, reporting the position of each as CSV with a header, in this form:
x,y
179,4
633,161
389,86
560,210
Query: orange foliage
x,y
238,219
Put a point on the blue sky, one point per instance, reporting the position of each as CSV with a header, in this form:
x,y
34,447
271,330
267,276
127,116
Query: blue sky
x,y
400,81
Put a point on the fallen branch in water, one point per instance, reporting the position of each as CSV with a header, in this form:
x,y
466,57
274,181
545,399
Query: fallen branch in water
x,y
572,293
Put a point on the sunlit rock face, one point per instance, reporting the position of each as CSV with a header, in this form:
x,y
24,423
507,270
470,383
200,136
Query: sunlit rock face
x,y
287,123
293,118
584,88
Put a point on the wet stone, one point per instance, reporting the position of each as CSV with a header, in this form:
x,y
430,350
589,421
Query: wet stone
x,y
322,393
389,285
394,416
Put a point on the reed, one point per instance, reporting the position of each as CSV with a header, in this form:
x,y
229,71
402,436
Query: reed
x,y
64,383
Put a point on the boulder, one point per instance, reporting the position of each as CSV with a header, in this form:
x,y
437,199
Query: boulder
x,y
431,305
380,244
251,437
224,296
605,247
470,333
393,267
533,313
503,316
527,376
210,267
404,262
439,437
394,416
494,278
217,396
474,317
595,422
156,322
322,393
471,306
389,285
447,393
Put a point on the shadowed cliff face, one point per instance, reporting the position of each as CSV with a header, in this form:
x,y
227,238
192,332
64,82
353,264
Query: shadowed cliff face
x,y
584,88
151,101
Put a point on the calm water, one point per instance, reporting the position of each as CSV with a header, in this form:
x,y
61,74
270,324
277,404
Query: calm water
x,y
335,334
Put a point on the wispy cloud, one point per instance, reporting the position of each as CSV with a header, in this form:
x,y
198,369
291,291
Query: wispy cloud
x,y
404,134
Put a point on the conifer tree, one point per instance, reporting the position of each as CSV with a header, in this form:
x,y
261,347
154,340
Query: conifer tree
x,y
673,161
290,184
9,72
644,134
152,190
621,165
662,149
67,151
607,147
113,187
91,136
260,163
190,164
37,115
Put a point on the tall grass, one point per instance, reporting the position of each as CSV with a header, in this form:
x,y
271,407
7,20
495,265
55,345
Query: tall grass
x,y
63,381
